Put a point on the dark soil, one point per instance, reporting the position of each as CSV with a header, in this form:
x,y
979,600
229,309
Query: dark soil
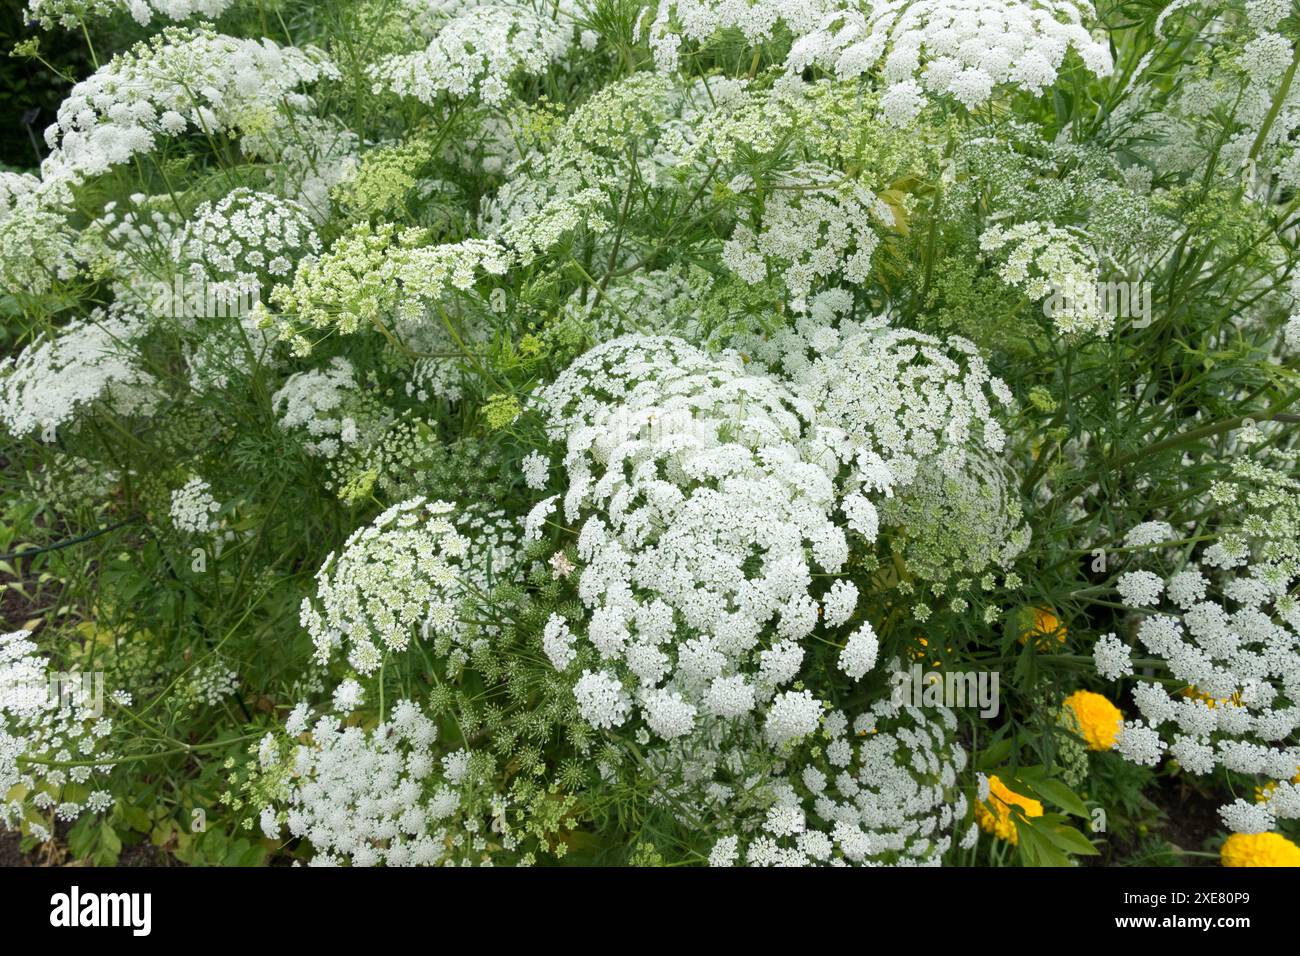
x,y
55,854
1191,820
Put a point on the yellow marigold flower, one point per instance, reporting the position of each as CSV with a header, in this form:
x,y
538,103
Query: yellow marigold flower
x,y
1096,719
1046,626
995,814
1259,849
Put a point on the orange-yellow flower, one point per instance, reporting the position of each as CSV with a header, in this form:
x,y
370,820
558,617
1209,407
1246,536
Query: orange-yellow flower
x,y
1045,628
1265,793
1211,702
1259,849
1097,720
920,653
995,814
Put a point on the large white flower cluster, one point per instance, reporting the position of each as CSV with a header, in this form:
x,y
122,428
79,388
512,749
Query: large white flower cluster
x,y
45,387
53,736
818,231
1052,265
963,49
703,496
393,578
37,248
365,797
882,788
322,403
230,247
923,417
909,399
698,21
1227,629
73,13
477,51
180,81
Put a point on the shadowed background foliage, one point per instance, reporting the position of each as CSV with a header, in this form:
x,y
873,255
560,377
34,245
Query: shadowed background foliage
x,y
29,91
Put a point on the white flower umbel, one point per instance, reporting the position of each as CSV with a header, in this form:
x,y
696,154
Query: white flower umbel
x,y
921,415
1112,657
601,699
57,719
478,52
47,385
212,682
366,798
230,250
908,399
810,236
1231,638
36,241
859,654
193,509
698,21
393,578
73,13
1051,265
323,405
881,790
964,50
703,501
1149,533
180,81
536,469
